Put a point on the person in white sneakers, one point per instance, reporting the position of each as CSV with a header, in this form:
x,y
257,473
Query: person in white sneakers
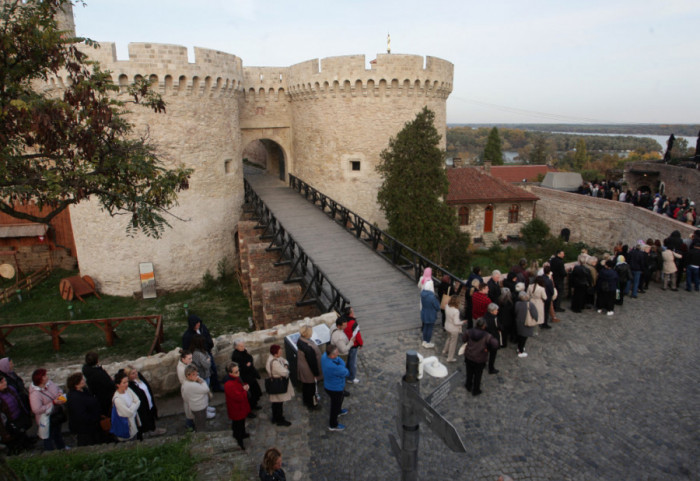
x,y
521,309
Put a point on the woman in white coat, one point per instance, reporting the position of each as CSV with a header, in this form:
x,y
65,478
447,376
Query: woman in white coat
x,y
453,326
277,366
127,404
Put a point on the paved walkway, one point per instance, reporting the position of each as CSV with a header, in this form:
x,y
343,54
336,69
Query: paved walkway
x,y
385,299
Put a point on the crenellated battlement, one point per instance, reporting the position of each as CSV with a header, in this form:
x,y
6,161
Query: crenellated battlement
x,y
388,75
212,74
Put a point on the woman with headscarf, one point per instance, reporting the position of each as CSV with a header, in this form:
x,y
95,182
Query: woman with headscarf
x,y
46,400
277,366
200,357
430,306
624,278
7,367
538,297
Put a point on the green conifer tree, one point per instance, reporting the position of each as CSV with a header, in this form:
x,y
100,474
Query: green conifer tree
x,y
492,151
413,191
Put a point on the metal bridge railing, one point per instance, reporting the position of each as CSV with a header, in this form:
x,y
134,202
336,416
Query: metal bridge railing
x,y
317,288
405,259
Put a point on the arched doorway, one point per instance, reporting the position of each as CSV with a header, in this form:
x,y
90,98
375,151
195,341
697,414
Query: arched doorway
x,y
266,154
488,218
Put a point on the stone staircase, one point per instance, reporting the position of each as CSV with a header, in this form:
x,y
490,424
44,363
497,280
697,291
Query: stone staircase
x,y
489,239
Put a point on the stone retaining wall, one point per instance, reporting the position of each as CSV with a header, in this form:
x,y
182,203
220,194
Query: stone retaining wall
x,y
161,369
602,222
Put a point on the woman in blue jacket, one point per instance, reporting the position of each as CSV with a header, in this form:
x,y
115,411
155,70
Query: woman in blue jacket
x,y
334,374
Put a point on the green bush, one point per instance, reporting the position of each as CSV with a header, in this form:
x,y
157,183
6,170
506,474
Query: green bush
x,y
534,232
170,461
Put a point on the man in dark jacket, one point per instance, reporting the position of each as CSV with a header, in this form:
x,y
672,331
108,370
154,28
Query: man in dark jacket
x,y
248,374
606,287
692,266
637,262
492,327
558,276
196,326
99,382
478,344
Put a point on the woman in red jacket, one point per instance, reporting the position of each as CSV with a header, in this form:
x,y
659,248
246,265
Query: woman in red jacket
x,y
236,402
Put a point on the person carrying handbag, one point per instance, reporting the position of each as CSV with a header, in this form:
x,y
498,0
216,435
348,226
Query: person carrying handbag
x,y
46,400
278,367
525,320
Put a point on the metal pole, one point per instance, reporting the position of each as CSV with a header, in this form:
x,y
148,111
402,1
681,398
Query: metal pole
x,y
410,434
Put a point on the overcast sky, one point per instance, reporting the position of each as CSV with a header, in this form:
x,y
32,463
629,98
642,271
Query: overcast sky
x,y
574,61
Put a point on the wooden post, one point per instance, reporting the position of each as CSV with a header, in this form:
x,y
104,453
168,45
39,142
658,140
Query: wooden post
x,y
109,333
55,337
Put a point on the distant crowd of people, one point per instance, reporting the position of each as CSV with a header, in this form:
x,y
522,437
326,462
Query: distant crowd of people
x,y
679,208
509,308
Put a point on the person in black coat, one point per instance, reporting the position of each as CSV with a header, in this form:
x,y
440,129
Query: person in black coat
x,y
249,374
100,383
558,276
606,286
478,343
506,316
83,411
581,280
493,328
196,326
148,411
494,285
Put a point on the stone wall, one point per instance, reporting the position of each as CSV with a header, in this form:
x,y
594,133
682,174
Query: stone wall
x,y
602,222
161,369
200,130
272,301
343,112
674,180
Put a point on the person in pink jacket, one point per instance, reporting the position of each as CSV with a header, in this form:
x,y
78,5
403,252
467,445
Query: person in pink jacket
x,y
45,399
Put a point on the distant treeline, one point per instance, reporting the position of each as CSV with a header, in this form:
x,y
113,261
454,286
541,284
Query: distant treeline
x,y
686,130
464,139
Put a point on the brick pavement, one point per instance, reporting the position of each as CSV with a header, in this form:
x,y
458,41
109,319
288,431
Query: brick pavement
x,y
597,398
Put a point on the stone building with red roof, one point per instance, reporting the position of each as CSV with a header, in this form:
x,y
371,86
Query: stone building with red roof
x,y
488,208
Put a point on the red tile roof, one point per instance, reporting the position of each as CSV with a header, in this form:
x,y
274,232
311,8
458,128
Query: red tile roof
x,y
516,173
469,185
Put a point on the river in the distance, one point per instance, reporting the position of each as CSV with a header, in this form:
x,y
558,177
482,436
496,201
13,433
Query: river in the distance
x,y
509,157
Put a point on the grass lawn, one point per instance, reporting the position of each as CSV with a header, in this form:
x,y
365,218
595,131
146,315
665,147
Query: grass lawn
x,y
220,303
170,461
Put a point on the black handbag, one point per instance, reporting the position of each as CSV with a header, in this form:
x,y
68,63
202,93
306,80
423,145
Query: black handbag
x,y
276,385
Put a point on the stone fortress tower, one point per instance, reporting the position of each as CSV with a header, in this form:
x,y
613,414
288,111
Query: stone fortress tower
x,y
324,121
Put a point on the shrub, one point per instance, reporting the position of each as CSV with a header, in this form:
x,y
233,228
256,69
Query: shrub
x,y
534,232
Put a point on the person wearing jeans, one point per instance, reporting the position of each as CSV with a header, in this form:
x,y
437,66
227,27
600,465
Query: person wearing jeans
x,y
334,374
352,331
692,274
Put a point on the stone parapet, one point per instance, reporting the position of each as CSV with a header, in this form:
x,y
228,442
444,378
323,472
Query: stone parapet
x,y
161,369
601,222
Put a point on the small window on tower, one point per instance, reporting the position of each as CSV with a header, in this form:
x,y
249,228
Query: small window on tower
x,y
227,166
355,165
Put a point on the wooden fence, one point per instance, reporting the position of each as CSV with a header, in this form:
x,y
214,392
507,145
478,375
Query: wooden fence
x,y
27,284
56,328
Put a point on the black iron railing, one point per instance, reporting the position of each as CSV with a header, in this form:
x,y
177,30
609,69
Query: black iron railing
x,y
405,259
317,288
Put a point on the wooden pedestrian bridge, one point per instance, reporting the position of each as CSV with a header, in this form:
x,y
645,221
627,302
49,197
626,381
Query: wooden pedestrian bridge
x,y
337,256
